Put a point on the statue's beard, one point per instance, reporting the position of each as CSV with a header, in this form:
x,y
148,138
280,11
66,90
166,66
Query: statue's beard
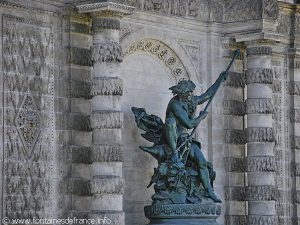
x,y
191,106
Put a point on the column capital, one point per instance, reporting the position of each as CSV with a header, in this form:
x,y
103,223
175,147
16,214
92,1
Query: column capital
x,y
106,9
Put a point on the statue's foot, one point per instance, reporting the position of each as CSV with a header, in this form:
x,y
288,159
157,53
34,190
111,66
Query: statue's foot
x,y
212,195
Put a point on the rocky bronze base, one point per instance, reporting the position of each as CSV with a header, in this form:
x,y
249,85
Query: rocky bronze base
x,y
183,214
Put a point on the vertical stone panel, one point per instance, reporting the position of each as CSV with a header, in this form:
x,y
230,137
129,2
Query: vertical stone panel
x,y
29,124
260,165
234,110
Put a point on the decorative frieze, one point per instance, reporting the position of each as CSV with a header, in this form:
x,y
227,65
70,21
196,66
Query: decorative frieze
x,y
106,86
259,75
259,105
236,80
103,7
235,164
80,28
262,50
261,220
260,134
261,193
232,107
235,193
80,56
235,137
106,119
107,185
105,23
260,163
107,52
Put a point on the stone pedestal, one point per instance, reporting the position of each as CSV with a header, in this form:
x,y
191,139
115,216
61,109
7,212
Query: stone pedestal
x,y
183,214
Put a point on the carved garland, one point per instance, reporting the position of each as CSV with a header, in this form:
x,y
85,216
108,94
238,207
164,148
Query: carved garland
x,y
163,53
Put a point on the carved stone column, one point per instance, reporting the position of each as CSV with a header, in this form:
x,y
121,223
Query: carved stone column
x,y
234,110
106,182
260,162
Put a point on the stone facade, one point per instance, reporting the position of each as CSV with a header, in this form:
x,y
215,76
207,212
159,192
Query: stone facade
x,y
72,69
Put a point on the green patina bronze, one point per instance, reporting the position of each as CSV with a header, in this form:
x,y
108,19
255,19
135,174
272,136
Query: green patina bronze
x,y
183,179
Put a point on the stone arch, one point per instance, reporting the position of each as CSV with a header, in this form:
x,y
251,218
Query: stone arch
x,y
163,53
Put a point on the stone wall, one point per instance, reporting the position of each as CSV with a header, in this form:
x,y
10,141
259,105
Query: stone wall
x,y
71,70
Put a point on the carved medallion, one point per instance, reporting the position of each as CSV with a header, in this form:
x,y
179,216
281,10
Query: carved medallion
x,y
28,122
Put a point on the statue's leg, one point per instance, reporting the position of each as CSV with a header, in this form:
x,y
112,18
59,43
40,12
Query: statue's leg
x,y
197,157
171,135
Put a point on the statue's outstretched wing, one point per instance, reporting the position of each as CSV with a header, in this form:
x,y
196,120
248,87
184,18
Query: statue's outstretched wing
x,y
153,125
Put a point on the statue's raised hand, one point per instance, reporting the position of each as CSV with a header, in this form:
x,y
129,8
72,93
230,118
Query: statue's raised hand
x,y
202,115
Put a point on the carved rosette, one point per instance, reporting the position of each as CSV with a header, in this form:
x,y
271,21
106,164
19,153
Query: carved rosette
x,y
162,52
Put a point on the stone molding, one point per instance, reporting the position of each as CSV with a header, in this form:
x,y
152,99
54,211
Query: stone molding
x,y
105,6
106,86
106,185
105,23
107,52
260,134
260,163
259,76
96,153
80,88
78,121
236,80
233,107
106,119
259,105
233,136
233,164
262,50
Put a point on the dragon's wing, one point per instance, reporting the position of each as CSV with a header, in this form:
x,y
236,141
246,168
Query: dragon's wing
x,y
153,125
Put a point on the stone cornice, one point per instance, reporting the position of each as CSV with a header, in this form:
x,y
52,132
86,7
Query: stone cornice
x,y
105,7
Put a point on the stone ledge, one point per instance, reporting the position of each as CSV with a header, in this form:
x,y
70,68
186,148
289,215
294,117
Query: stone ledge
x,y
263,105
106,119
259,76
106,86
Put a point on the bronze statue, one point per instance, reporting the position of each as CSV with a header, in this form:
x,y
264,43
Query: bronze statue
x,y
183,175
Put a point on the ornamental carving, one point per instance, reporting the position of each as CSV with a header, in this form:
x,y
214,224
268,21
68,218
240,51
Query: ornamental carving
x,y
161,52
28,123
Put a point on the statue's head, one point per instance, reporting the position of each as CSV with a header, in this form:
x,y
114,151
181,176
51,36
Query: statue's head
x,y
183,87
